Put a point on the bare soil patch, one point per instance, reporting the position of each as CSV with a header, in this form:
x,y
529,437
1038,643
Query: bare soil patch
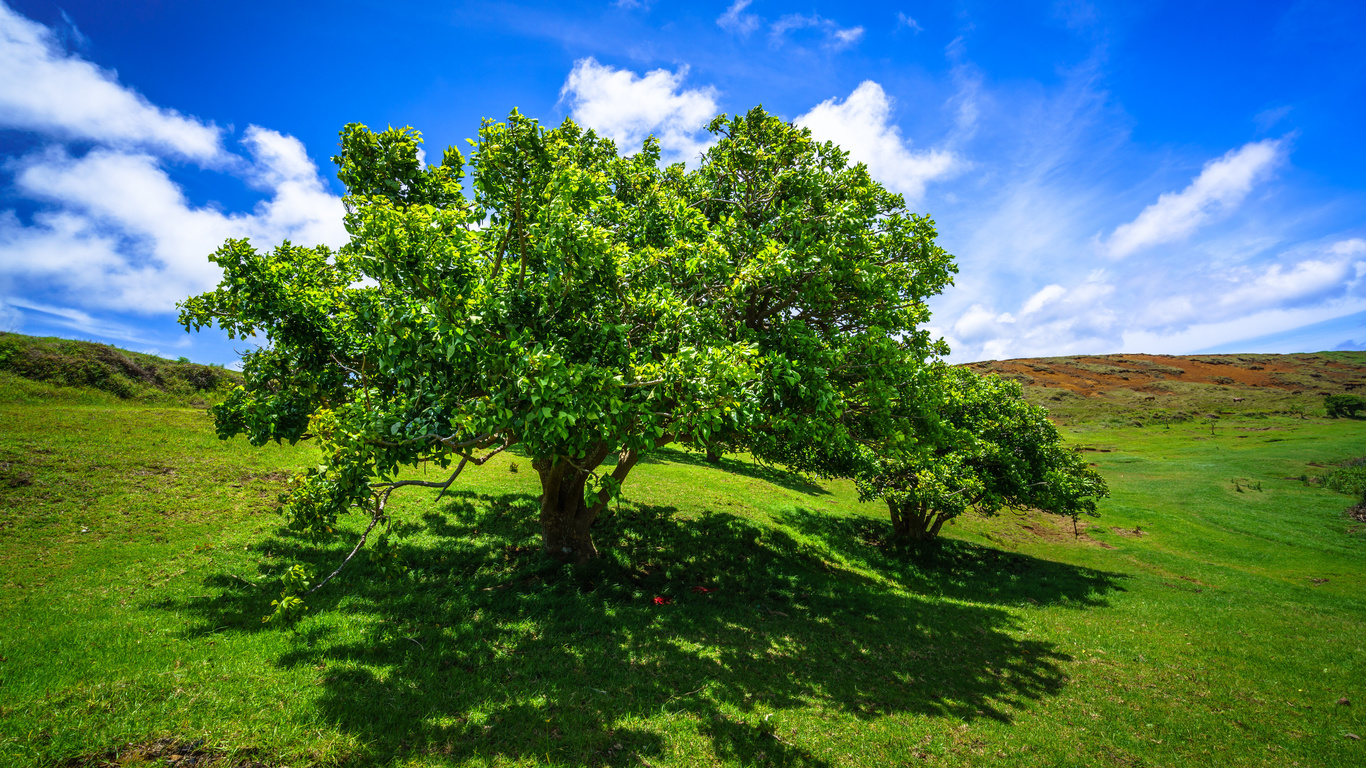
x,y
165,752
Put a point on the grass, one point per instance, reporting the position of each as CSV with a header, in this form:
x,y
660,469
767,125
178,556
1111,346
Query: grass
x,y
1213,613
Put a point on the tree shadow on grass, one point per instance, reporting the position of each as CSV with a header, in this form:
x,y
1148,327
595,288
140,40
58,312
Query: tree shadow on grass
x,y
957,569
490,651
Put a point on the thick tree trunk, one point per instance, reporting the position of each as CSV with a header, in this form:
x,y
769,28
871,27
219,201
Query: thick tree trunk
x,y
712,456
566,518
914,524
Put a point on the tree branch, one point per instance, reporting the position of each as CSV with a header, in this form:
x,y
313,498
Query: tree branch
x,y
374,520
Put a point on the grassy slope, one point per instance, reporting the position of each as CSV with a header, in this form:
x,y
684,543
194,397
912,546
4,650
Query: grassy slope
x,y
36,368
138,553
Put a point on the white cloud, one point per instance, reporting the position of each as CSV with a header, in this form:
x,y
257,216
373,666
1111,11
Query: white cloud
x,y
1228,334
1045,296
1308,281
120,234
736,21
10,318
902,20
836,37
862,127
1220,187
48,91
627,107
85,325
1208,306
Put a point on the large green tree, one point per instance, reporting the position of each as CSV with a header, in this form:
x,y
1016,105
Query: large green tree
x,y
980,447
583,306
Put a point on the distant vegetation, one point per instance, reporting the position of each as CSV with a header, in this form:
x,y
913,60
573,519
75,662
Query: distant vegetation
x,y
107,369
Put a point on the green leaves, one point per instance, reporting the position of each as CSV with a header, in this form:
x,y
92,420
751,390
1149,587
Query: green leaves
x,y
987,449
579,303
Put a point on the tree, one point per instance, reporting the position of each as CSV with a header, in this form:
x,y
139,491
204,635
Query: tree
x,y
582,306
983,447
1344,405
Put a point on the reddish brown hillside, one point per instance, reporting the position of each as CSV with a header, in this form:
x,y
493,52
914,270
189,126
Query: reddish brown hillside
x,y
1317,374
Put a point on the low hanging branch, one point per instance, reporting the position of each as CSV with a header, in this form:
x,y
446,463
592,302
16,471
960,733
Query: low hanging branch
x,y
382,498
380,501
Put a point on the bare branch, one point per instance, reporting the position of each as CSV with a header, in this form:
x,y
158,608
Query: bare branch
x,y
374,519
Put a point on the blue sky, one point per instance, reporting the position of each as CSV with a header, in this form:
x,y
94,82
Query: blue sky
x,y
1112,177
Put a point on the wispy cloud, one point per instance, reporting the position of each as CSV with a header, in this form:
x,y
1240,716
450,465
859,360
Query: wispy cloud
x,y
86,325
627,107
47,90
1209,262
834,36
862,125
902,20
736,21
1220,187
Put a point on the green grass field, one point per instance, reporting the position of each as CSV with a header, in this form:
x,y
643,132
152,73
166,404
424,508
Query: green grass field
x,y
1214,614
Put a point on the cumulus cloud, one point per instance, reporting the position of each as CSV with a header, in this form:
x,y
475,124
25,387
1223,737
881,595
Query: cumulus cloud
x,y
47,90
835,36
736,21
119,234
1220,187
862,126
627,107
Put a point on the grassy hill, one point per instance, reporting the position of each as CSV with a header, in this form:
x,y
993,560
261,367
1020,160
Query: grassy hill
x,y
1213,614
39,369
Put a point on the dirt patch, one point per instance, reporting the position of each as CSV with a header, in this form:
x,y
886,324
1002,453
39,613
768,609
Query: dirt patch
x,y
168,752
1136,533
1060,530
269,477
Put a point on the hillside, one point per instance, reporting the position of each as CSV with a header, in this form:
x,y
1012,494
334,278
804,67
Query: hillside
x,y
1165,388
66,368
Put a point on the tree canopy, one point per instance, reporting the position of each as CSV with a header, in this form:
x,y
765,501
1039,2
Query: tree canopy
x,y
984,448
585,306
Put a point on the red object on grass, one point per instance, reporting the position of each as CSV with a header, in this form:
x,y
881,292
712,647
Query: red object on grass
x,y
664,601
702,590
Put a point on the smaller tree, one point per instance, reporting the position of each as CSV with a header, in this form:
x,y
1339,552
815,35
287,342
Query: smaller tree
x,y
978,446
1344,405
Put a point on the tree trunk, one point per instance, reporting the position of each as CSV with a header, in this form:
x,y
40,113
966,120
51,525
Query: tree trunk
x,y
566,518
914,524
712,456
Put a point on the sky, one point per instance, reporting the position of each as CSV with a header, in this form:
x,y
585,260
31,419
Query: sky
x,y
1127,177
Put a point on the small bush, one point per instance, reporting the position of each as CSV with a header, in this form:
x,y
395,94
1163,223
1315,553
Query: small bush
x,y
1344,405
1348,478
